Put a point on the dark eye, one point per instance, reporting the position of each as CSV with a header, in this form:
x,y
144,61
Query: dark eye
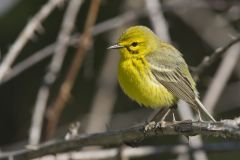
x,y
134,44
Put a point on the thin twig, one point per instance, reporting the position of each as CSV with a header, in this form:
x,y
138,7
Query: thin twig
x,y
224,128
64,93
209,60
28,32
54,69
28,62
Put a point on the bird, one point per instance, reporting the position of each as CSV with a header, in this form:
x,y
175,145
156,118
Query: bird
x,y
154,73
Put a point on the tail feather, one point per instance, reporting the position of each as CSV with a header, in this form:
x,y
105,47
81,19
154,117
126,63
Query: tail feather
x,y
204,110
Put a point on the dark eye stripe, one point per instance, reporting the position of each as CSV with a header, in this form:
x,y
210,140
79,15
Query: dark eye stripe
x,y
132,51
134,44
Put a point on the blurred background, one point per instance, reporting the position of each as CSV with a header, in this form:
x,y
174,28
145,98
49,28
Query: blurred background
x,y
64,74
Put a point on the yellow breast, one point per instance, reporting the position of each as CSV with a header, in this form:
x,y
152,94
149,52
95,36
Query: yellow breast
x,y
136,81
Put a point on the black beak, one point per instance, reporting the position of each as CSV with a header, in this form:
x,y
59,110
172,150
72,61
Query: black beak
x,y
115,46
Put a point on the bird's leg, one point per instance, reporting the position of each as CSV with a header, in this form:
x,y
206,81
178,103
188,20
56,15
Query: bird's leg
x,y
157,116
166,114
170,109
199,116
173,117
173,109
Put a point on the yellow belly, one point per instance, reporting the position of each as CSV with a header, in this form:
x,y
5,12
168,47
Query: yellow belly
x,y
138,86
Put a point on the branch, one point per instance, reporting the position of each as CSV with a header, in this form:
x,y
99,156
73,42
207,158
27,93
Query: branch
x,y
28,32
224,128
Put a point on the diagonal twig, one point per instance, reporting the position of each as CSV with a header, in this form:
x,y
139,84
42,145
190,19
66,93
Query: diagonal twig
x,y
209,60
28,32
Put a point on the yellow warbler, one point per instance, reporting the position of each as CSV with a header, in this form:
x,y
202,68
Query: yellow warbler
x,y
153,72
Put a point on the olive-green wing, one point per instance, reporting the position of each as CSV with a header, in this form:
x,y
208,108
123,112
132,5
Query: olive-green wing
x,y
171,71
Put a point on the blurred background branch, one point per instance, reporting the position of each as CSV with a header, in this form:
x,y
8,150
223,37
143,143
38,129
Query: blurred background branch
x,y
29,32
65,89
53,71
48,50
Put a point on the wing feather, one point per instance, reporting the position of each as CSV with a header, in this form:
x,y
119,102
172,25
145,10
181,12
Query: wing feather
x,y
176,83
171,71
174,76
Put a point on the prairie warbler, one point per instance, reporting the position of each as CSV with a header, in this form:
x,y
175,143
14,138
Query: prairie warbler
x,y
153,72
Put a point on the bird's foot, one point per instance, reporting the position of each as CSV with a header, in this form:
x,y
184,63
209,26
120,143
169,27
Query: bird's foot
x,y
151,125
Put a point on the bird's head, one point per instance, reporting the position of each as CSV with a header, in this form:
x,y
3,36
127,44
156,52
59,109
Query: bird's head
x,y
136,41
